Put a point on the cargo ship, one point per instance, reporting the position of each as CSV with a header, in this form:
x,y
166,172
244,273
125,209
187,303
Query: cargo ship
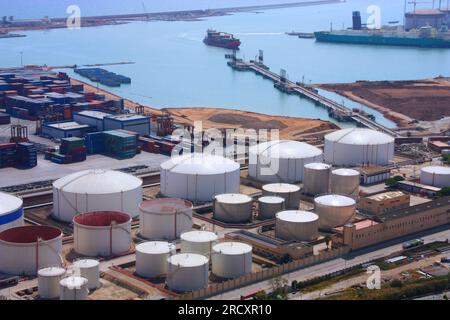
x,y
424,38
222,40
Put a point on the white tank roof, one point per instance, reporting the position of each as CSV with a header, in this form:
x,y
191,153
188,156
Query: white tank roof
x,y
285,149
359,136
297,216
335,200
281,187
232,248
155,247
9,203
86,263
199,163
73,282
345,172
269,199
318,166
187,260
165,205
199,236
98,182
433,170
233,198
51,272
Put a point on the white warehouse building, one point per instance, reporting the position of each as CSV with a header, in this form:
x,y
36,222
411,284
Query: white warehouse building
x,y
356,146
96,190
281,160
199,177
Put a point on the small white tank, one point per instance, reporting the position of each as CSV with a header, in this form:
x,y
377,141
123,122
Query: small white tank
x,y
187,272
316,178
231,259
289,192
334,210
151,258
89,269
345,182
200,242
297,225
74,288
269,206
438,176
48,282
233,208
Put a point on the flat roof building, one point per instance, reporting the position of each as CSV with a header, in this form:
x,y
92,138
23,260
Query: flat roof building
x,y
384,202
68,129
130,122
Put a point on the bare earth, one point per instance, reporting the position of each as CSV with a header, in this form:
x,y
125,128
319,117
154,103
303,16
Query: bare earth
x,y
400,101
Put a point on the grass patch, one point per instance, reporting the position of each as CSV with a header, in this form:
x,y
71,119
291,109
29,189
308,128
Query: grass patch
x,y
322,283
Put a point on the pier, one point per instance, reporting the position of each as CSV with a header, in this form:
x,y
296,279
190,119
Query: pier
x,y
335,109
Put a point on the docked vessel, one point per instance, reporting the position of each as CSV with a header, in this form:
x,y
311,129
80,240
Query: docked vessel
x,y
221,39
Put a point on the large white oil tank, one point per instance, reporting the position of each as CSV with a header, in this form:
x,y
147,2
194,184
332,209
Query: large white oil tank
x,y
89,269
11,211
437,176
289,192
151,258
48,282
24,250
317,178
357,146
200,242
199,177
187,272
74,288
281,160
297,225
165,218
233,207
96,190
269,206
345,182
334,210
102,233
231,259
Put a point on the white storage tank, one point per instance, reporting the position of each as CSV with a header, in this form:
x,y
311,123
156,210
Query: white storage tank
x,y
200,242
281,160
289,192
334,210
187,272
269,206
437,176
297,225
317,178
165,218
74,288
233,208
25,250
151,258
345,182
96,190
11,211
357,146
89,269
48,282
199,177
231,259
102,233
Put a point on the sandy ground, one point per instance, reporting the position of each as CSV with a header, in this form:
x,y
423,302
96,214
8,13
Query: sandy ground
x,y
401,101
290,128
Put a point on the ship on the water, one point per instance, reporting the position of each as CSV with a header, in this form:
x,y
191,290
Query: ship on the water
x,y
222,40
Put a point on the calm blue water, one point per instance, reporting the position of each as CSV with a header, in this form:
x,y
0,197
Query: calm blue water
x,y
174,68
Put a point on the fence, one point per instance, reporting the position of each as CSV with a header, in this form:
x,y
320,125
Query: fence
x,y
266,274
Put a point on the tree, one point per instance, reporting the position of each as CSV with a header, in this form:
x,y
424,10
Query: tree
x,y
396,283
444,192
279,286
262,295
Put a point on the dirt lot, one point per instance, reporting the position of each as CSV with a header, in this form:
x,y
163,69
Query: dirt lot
x,y
401,101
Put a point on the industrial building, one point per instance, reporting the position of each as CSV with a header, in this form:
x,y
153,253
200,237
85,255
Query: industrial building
x,y
384,202
67,129
426,17
281,161
130,122
359,147
92,118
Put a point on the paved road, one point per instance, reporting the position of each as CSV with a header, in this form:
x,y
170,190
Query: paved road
x,y
356,258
